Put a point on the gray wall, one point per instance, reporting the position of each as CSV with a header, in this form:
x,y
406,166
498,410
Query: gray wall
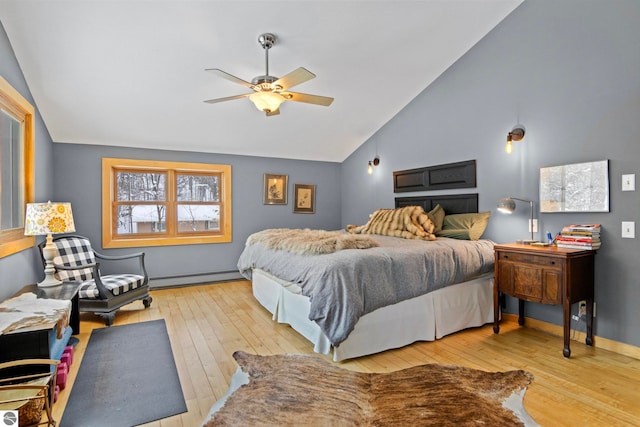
x,y
568,71
78,180
20,269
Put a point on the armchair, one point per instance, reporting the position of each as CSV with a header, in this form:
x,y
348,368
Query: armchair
x,y
76,261
27,389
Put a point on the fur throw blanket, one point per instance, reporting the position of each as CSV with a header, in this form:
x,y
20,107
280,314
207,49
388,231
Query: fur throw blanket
x,y
309,242
409,222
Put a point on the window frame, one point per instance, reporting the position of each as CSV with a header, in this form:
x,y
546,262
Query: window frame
x,y
110,166
13,240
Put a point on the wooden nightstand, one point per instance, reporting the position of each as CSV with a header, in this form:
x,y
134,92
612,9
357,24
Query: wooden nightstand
x,y
546,275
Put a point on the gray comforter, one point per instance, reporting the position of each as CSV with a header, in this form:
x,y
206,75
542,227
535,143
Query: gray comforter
x,y
347,284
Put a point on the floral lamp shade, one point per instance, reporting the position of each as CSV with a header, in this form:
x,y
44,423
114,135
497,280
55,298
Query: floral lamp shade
x,y
48,218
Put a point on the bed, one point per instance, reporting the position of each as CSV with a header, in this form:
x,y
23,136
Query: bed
x,y
345,309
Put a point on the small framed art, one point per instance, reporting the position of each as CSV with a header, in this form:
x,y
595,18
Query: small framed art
x,y
305,198
275,189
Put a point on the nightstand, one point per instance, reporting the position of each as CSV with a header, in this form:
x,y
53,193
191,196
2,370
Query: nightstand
x,y
545,275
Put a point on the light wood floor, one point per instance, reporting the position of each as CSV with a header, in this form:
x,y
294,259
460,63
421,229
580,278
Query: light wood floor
x,y
208,323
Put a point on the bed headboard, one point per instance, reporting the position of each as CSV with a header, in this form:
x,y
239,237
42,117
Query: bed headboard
x,y
451,203
439,177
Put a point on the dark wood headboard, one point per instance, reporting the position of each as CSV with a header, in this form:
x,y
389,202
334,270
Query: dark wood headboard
x,y
439,177
451,203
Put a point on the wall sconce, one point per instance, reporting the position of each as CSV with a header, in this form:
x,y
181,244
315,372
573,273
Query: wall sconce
x,y
508,205
516,134
374,162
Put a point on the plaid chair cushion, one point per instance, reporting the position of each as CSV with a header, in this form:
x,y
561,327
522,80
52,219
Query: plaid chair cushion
x,y
116,283
71,252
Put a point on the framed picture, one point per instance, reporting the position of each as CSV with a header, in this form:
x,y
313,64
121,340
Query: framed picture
x,y
275,189
577,187
305,198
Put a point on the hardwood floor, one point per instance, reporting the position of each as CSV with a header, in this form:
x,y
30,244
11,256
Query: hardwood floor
x,y
207,323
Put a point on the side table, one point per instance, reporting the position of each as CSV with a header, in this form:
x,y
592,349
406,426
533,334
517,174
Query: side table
x,y
34,342
545,275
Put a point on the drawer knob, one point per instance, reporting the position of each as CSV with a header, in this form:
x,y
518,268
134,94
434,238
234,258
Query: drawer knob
x,y
553,262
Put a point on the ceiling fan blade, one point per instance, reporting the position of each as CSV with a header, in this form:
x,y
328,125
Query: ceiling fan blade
x,y
273,113
294,78
229,77
228,98
309,99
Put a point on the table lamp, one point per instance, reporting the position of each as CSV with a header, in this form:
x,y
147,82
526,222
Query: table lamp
x,y
47,219
508,205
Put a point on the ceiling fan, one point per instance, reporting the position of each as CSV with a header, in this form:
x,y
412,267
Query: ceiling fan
x,y
269,91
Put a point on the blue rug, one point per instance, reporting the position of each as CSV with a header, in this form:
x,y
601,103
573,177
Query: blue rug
x,y
127,377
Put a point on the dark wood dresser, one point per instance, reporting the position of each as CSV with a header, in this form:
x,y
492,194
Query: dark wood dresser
x,y
545,275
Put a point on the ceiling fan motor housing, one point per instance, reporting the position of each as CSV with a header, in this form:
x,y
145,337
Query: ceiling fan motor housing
x,y
259,80
267,40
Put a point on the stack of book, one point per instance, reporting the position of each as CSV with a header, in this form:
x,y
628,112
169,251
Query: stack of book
x,y
579,236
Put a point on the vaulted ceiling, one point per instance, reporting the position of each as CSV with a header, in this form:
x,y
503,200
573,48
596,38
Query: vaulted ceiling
x,y
131,73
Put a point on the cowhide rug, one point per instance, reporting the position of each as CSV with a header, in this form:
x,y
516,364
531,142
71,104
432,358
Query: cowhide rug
x,y
309,242
306,390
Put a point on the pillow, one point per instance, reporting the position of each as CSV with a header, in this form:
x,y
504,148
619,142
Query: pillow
x,y
474,223
436,215
455,233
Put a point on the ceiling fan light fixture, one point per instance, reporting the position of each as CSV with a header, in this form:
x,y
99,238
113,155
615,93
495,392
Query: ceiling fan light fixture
x,y
271,91
267,101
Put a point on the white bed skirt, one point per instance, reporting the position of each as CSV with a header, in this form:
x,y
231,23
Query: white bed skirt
x,y
424,318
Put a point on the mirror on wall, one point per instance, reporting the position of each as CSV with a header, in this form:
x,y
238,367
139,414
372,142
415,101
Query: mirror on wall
x,y
577,187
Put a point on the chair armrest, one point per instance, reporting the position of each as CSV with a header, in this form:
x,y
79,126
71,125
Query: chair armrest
x,y
139,255
26,362
117,257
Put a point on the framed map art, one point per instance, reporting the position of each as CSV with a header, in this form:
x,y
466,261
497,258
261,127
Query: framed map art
x,y
578,187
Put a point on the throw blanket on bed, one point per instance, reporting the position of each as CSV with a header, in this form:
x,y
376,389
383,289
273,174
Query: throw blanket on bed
x,y
409,222
344,285
309,242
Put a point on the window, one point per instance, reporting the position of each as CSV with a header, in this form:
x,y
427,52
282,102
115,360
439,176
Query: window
x,y
16,168
153,203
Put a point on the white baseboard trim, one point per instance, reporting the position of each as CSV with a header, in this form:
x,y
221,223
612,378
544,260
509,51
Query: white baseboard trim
x,y
194,279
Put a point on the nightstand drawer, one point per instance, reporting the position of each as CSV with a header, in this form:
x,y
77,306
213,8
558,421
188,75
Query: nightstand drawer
x,y
540,260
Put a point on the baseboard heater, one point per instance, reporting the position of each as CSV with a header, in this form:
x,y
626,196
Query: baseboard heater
x,y
194,279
